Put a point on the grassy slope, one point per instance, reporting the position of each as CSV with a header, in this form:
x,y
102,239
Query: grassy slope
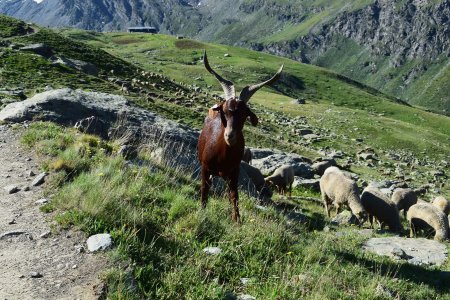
x,y
322,89
429,89
160,232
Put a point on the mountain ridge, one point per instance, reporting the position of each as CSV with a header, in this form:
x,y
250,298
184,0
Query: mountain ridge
x,y
400,48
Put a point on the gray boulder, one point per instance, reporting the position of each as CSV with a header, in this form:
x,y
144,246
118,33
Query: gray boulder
x,y
121,119
311,184
79,65
40,49
415,251
344,218
268,164
258,153
320,166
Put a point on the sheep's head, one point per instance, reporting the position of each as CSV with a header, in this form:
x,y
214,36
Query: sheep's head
x,y
234,110
362,217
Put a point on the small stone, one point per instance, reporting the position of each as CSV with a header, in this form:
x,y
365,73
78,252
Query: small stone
x,y
39,179
12,233
245,280
11,189
35,275
74,266
11,222
260,207
31,173
79,249
99,242
41,201
212,250
45,235
245,297
21,276
26,188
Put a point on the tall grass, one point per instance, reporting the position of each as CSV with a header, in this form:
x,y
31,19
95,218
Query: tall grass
x,y
159,231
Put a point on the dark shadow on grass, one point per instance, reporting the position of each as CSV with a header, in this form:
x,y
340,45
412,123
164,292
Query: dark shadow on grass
x,y
315,221
436,279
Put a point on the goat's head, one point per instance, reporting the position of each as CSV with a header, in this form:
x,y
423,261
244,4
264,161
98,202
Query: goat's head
x,y
234,110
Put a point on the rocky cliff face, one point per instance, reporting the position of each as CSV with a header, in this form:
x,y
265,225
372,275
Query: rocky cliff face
x,y
415,29
169,16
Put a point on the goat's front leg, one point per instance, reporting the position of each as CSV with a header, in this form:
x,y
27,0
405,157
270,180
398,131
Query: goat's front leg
x,y
206,184
234,197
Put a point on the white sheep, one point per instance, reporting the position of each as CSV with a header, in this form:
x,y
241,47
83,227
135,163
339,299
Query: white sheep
x,y
282,178
425,216
339,189
443,204
404,199
378,205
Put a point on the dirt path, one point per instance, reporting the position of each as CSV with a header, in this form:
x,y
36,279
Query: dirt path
x,y
65,273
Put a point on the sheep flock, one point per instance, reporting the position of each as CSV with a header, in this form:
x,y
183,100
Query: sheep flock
x,y
339,190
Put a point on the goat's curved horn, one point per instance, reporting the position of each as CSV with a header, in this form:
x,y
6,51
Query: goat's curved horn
x,y
227,85
248,91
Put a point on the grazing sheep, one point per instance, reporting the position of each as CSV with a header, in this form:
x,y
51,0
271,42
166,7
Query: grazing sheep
x,y
404,199
247,157
427,217
282,178
379,206
258,180
337,188
443,204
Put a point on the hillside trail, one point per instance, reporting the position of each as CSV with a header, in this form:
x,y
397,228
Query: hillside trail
x,y
64,271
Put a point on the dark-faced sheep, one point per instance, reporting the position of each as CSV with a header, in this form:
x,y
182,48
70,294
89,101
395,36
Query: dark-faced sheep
x,y
282,179
404,199
339,189
257,178
247,156
378,205
221,143
443,204
427,217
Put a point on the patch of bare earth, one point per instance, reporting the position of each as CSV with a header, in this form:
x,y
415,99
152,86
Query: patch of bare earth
x,y
35,263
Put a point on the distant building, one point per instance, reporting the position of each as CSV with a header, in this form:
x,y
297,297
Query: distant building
x,y
143,29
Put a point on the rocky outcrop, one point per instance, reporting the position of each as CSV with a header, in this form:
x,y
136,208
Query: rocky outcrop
x,y
114,117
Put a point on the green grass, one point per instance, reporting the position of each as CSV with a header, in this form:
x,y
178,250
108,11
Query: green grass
x,y
10,27
159,231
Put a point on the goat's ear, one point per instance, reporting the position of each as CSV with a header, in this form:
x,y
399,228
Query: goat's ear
x,y
253,118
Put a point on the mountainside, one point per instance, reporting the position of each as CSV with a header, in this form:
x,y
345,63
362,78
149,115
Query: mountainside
x,y
106,15
122,171
400,47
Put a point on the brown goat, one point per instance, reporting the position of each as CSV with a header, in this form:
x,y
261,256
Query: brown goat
x,y
221,142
